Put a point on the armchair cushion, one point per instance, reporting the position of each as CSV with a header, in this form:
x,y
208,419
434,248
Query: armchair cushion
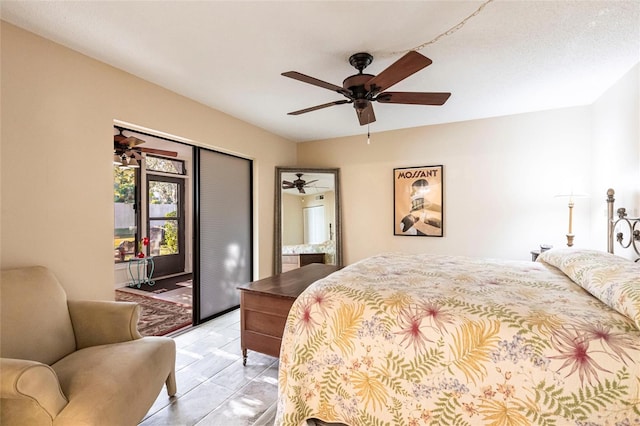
x,y
35,319
106,384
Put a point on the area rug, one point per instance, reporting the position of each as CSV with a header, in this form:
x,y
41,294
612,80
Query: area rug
x,y
166,284
157,317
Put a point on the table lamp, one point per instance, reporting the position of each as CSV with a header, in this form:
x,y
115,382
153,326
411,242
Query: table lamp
x,y
571,196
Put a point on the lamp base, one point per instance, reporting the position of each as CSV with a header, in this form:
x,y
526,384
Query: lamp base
x,y
570,239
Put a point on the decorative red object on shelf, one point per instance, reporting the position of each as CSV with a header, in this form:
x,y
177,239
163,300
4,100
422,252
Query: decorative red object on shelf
x,y
144,242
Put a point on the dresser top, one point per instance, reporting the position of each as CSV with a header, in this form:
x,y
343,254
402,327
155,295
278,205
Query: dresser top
x,y
290,284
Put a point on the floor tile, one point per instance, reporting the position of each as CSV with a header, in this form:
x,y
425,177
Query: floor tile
x,y
214,388
191,407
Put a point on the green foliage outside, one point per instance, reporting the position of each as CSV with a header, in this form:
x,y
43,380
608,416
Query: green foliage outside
x,y
124,185
162,193
170,235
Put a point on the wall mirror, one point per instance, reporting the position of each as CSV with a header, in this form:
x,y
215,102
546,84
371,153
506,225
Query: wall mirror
x,y
307,218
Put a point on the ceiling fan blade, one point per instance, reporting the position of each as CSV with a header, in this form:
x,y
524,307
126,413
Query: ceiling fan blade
x,y
301,190
286,182
367,115
310,182
310,80
302,111
129,141
414,98
409,64
158,151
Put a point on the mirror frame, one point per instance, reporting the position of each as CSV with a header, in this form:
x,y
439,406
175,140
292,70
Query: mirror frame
x,y
277,237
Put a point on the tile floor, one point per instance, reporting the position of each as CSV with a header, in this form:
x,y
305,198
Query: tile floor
x,y
214,388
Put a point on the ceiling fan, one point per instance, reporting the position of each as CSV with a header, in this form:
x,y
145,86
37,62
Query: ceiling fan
x,y
299,183
127,148
363,89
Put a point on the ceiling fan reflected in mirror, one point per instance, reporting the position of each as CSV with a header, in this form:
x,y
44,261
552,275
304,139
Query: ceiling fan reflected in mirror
x,y
299,184
127,149
363,89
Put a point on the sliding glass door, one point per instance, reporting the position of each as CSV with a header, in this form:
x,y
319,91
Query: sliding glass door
x,y
223,222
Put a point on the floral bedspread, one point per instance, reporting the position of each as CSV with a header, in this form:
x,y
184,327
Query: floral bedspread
x,y
422,339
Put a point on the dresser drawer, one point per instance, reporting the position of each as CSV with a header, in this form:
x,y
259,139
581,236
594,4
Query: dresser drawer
x,y
262,343
278,306
264,323
309,258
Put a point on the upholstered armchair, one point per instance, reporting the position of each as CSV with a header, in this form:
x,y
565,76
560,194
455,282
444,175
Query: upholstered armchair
x,y
69,362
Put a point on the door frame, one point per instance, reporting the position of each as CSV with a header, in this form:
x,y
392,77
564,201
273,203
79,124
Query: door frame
x,y
169,264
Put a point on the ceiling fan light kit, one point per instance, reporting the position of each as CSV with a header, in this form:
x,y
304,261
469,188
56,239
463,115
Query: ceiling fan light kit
x,y
127,153
126,160
362,89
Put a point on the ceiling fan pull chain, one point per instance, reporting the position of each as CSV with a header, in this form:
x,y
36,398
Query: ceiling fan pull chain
x,y
368,135
446,33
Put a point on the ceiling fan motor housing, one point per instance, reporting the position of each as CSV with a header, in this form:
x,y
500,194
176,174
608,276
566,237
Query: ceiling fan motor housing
x,y
356,85
360,60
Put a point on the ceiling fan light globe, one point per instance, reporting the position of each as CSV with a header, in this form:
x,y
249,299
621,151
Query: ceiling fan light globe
x,y
360,104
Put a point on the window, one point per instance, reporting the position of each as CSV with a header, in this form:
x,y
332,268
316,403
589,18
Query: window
x,y
314,225
163,217
166,165
125,213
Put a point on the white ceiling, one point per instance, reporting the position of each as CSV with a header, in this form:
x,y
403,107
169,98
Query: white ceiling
x,y
513,57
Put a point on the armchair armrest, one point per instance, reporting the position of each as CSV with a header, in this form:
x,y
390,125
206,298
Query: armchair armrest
x,y
32,380
102,322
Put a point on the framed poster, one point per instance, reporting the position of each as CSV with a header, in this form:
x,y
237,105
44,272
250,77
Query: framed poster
x,y
417,200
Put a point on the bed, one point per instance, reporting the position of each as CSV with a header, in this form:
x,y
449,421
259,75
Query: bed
x,y
419,339
327,247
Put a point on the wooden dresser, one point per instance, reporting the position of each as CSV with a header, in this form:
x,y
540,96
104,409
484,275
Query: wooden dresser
x,y
265,304
293,261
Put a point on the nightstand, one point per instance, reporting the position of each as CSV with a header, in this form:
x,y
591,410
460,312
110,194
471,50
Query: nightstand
x,y
534,255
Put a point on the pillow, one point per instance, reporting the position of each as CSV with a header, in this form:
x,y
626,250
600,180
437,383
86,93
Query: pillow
x,y
612,279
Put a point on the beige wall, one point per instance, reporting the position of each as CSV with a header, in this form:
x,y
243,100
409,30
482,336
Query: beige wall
x,y
58,110
292,220
500,177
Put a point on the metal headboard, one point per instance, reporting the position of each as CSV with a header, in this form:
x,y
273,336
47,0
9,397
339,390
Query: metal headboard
x,y
633,224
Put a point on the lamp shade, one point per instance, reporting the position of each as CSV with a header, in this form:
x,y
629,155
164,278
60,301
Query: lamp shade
x,y
572,195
